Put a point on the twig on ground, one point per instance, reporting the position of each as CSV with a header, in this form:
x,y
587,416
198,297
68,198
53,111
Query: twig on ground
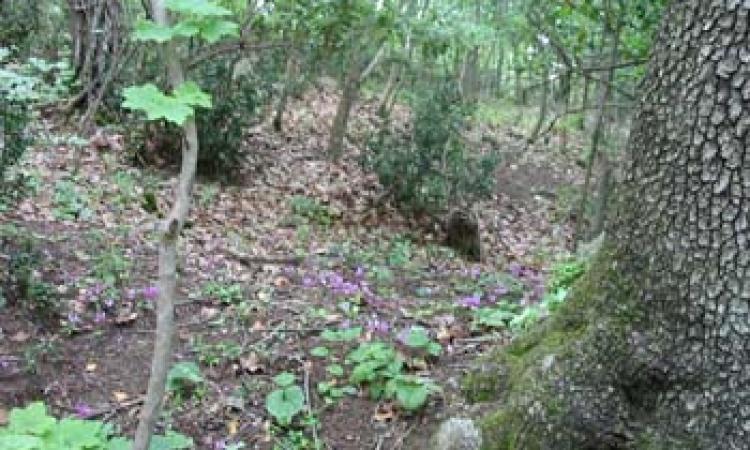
x,y
309,404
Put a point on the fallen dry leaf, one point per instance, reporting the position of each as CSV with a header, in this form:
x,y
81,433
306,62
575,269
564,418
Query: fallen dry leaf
x,y
120,396
91,367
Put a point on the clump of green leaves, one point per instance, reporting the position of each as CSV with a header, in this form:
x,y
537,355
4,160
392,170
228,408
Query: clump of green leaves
x,y
225,293
309,209
286,401
215,354
31,428
184,379
432,169
69,202
381,368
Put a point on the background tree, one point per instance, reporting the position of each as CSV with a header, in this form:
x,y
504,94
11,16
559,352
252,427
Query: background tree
x,y
650,352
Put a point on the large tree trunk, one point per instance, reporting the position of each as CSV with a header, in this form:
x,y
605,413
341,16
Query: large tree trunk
x,y
98,41
651,349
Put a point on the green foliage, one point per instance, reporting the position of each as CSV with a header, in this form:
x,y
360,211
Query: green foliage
x,y
175,108
285,402
31,428
344,335
184,379
111,266
218,353
310,209
379,366
432,169
419,338
227,294
237,95
69,202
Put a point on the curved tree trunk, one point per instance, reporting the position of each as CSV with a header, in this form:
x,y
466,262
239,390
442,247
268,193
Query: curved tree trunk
x,y
651,350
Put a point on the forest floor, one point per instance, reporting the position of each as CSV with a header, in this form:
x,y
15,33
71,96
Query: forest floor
x,y
273,267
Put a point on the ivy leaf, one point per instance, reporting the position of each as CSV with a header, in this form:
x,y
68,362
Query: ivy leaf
x,y
189,93
284,404
149,99
205,8
31,420
212,29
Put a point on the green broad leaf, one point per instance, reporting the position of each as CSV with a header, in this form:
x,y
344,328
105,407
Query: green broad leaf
x,y
417,338
434,349
284,404
412,395
119,443
494,317
335,369
149,31
170,441
348,334
212,29
149,99
284,379
189,93
204,8
320,352
183,373
21,442
364,372
31,420
186,28
75,433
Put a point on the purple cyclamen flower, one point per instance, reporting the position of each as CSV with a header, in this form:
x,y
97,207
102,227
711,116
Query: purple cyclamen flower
x,y
378,326
347,288
500,290
100,317
83,411
151,292
359,272
471,301
73,318
308,282
516,270
130,294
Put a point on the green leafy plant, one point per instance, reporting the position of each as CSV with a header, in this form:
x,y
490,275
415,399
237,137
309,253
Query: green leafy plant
x,y
217,353
380,367
32,428
184,379
343,335
226,293
285,402
432,169
111,266
419,338
309,209
69,203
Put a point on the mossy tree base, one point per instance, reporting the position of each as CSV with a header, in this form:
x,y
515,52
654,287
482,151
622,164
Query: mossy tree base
x,y
580,379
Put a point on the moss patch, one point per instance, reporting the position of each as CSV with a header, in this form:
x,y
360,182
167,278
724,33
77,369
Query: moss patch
x,y
519,377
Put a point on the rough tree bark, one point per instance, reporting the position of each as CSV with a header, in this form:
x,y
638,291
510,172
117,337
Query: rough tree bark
x,y
170,233
651,348
98,35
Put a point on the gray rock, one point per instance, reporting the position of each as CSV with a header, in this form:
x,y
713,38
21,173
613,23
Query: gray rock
x,y
457,434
